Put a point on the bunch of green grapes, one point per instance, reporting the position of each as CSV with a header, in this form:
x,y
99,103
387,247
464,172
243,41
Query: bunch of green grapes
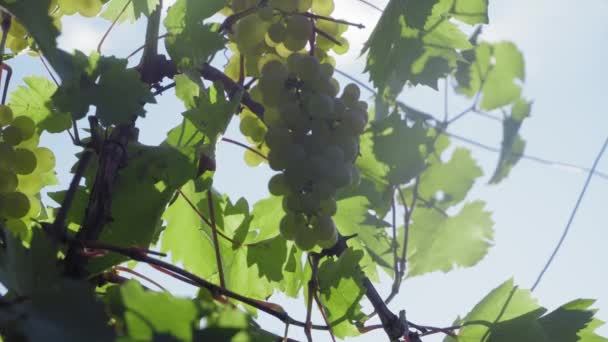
x,y
311,135
23,169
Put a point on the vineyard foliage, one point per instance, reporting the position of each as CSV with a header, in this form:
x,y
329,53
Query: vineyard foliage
x,y
344,165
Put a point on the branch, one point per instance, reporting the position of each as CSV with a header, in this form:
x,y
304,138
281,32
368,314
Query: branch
x,y
138,254
216,243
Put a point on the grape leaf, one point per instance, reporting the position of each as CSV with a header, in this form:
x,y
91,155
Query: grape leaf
x,y
38,319
341,292
353,218
453,178
510,314
144,313
495,70
501,304
140,195
471,11
187,52
120,93
187,14
415,42
190,241
436,241
265,223
134,9
399,146
33,100
34,274
86,8
24,271
512,147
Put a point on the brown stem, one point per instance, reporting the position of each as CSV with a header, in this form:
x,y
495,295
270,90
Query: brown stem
x,y
244,146
216,244
105,35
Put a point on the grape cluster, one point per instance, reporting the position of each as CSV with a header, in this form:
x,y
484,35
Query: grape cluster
x,y
309,134
23,166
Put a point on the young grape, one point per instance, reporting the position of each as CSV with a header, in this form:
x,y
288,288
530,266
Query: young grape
x,y
12,135
26,126
8,181
15,204
323,227
277,185
25,161
6,115
305,239
299,27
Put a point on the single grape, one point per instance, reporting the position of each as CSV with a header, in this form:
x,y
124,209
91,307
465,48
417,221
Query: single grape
x,y
341,48
308,68
26,125
15,204
253,159
340,175
334,154
355,120
323,189
31,184
266,13
277,32
6,115
7,156
293,44
12,135
25,161
291,203
285,5
327,70
304,5
328,207
323,227
249,31
320,106
329,243
350,94
277,136
8,181
290,224
277,185
299,27
323,7
305,239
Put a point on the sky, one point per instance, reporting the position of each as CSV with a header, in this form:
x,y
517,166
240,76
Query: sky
x,y
564,46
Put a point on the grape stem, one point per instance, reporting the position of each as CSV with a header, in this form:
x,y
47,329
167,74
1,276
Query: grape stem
x,y
105,35
340,21
327,35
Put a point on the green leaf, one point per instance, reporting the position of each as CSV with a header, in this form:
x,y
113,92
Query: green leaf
x,y
135,9
187,14
512,147
86,8
120,94
471,11
436,241
24,271
145,313
452,179
265,223
140,195
353,218
33,100
187,51
414,43
38,318
341,292
399,146
501,304
190,241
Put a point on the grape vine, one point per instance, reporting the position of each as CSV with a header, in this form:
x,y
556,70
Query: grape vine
x,y
340,166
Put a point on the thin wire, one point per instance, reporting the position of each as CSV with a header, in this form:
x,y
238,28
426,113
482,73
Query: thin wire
x,y
567,228
371,5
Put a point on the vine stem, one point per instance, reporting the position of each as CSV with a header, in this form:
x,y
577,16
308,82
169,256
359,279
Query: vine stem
x,y
105,35
137,274
138,255
216,244
202,217
228,140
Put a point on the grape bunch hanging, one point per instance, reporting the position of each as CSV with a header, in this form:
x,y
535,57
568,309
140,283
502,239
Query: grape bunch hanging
x,y
311,131
24,167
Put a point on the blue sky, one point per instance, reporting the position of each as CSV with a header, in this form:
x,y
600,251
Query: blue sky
x,y
564,45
